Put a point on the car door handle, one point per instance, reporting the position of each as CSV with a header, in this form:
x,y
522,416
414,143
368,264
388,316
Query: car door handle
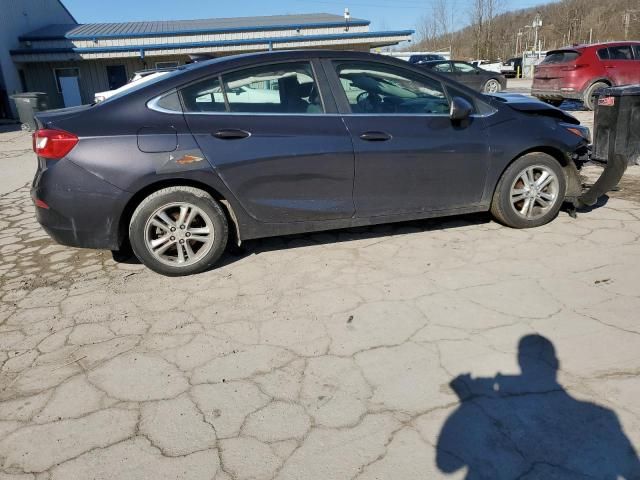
x,y
375,136
231,134
609,66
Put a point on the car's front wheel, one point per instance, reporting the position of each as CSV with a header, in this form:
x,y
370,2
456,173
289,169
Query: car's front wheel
x,y
492,86
530,192
178,231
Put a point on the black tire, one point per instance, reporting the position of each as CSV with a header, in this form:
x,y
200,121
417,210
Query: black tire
x,y
492,81
505,212
210,215
589,96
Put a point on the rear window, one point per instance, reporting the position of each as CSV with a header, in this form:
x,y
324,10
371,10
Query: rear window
x,y
561,56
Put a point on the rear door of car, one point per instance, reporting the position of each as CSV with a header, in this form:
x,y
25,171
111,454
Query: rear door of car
x,y
621,66
269,133
444,68
468,75
410,156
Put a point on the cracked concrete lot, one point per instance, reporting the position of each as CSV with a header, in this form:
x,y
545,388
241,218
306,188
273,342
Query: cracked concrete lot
x,y
451,348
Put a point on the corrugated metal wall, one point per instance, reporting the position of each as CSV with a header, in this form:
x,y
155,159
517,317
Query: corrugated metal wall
x,y
93,75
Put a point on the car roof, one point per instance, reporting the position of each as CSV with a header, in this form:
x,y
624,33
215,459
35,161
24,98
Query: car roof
x,y
247,59
584,46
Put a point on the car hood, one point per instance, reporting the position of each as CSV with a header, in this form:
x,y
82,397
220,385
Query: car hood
x,y
525,104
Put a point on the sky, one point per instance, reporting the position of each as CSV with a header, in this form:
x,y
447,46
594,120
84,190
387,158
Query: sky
x,y
383,14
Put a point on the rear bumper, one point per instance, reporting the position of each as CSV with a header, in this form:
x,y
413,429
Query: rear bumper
x,y
555,94
84,210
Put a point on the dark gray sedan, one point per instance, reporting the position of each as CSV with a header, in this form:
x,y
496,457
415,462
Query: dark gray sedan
x,y
295,141
465,73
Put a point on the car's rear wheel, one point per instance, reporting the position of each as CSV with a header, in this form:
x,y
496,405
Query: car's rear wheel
x,y
530,192
178,231
491,86
591,95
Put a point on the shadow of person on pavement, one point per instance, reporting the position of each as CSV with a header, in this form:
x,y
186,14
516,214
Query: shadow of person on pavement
x,y
528,427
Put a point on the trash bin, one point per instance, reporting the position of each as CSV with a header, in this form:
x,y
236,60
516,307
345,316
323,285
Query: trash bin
x,y
28,104
616,137
617,124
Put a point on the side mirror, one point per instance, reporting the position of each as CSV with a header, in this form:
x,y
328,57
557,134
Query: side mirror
x,y
460,109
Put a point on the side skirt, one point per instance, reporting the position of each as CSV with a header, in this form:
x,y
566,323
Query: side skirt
x,y
263,230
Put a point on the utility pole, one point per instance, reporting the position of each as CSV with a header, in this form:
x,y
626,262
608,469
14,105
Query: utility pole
x,y
537,23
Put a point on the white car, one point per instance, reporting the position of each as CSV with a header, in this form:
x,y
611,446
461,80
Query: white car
x,y
135,81
489,66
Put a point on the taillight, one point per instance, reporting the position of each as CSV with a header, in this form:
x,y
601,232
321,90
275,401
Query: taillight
x,y
53,144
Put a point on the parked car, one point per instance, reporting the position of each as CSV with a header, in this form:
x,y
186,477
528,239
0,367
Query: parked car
x,y
355,139
581,71
512,68
465,73
425,57
488,65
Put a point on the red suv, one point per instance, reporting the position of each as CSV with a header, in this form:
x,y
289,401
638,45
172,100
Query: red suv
x,y
578,72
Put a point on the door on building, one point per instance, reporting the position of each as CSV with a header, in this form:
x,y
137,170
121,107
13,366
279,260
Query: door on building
x,y
117,76
67,80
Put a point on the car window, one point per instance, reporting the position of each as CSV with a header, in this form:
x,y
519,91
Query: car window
x,y
620,52
561,56
442,67
283,88
378,88
463,67
603,54
203,96
636,51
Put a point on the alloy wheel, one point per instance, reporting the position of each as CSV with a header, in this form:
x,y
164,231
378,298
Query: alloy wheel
x,y
534,192
179,234
492,86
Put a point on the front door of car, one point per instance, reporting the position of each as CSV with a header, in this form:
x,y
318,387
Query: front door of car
x,y
410,156
265,131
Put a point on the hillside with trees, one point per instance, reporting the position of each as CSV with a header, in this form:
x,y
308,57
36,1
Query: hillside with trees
x,y
495,31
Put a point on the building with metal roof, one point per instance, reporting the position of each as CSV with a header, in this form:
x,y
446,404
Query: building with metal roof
x,y
72,61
